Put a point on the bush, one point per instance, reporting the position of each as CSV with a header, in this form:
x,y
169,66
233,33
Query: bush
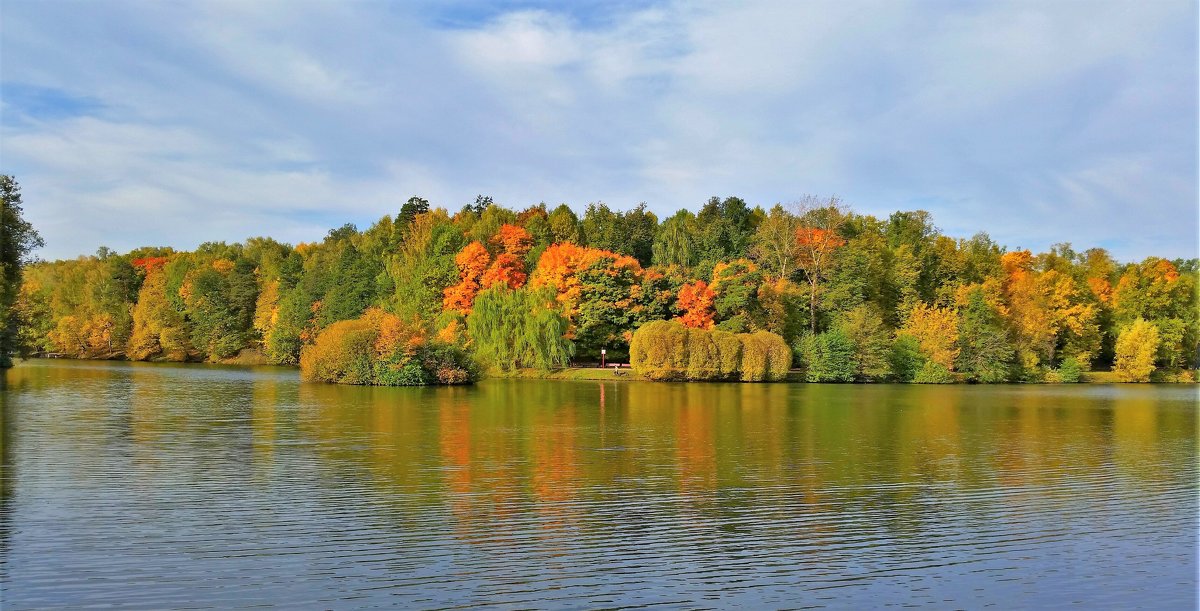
x,y
906,358
666,350
1070,371
379,349
829,357
659,351
933,372
765,357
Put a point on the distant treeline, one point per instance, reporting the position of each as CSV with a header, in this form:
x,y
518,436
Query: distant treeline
x,y
856,298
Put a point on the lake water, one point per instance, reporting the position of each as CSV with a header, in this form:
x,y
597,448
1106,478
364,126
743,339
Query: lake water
x,y
198,486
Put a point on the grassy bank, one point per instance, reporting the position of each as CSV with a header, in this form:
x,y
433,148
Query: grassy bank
x,y
572,373
794,376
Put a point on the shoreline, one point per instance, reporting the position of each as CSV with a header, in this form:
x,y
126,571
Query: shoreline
x,y
626,374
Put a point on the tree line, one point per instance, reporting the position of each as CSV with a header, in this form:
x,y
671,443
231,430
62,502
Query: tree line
x,y
855,297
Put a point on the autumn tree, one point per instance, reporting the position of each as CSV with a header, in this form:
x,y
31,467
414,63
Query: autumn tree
x,y
508,270
598,291
1136,351
817,240
1046,313
696,301
472,261
935,330
512,240
158,328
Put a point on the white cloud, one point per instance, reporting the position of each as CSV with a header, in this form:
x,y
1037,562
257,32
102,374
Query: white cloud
x,y
1035,122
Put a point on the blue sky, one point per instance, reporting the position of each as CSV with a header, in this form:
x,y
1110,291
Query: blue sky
x,y
172,123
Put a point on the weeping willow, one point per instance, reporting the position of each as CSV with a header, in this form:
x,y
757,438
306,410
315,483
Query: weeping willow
x,y
519,328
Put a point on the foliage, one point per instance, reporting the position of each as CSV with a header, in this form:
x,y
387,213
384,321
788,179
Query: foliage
x,y
936,331
898,291
473,262
906,359
675,242
984,352
1137,349
828,357
1070,371
379,349
870,343
782,305
735,285
158,328
519,328
774,245
667,350
598,292
696,302
17,240
933,372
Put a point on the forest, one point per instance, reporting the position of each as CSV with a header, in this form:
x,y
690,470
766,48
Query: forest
x,y
427,296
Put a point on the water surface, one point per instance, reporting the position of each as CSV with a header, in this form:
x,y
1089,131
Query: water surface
x,y
198,486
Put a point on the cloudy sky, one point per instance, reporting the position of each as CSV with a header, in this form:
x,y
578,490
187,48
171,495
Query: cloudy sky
x,y
176,123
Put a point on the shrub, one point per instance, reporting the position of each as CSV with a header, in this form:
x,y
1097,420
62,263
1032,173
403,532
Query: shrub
x,y
1070,371
659,350
765,357
906,358
933,372
379,349
829,357
666,350
729,354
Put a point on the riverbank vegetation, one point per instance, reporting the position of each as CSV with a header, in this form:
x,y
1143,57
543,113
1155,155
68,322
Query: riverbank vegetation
x,y
17,240
844,297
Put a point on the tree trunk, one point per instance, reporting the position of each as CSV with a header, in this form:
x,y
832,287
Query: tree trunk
x,y
812,306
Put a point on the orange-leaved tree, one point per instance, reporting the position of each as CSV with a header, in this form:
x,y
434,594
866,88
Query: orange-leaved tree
x,y
513,240
472,262
599,292
696,301
560,266
507,269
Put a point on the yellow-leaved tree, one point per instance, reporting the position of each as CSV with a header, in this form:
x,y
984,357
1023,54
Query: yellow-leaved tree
x,y
936,331
1137,347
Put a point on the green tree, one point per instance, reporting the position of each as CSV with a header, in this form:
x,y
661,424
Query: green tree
x,y
828,357
519,328
871,342
906,358
985,354
737,285
774,243
564,225
17,240
675,243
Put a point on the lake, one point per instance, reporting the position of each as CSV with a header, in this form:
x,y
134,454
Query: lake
x,y
155,485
